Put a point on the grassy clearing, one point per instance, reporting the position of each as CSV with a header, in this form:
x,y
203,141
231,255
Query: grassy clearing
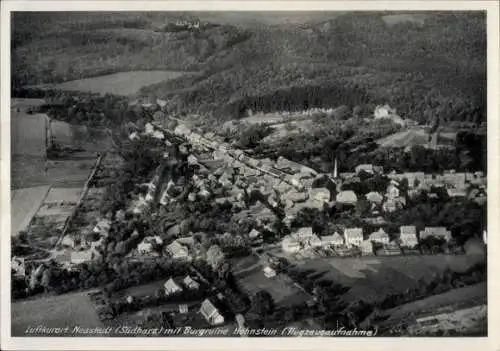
x,y
54,312
373,278
123,83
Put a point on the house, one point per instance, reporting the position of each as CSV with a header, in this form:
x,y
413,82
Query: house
x,y
374,197
394,204
453,192
102,227
408,236
347,197
145,248
183,308
366,247
367,168
440,232
254,234
384,111
379,236
353,236
176,250
303,233
17,265
290,244
314,241
332,240
269,272
210,313
78,257
190,283
319,194
171,287
392,191
68,241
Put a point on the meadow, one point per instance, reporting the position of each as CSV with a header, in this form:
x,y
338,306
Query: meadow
x,y
373,278
60,311
122,83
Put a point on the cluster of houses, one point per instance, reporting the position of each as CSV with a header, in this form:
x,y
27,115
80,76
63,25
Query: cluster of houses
x,y
353,238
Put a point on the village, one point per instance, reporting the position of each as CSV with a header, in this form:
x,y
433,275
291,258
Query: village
x,y
349,217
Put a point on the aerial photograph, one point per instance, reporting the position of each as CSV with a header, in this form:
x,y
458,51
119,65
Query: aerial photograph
x,y
248,174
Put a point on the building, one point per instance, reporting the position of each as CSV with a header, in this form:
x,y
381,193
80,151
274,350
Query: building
x,y
145,248
394,204
190,283
290,244
269,272
347,197
392,191
389,249
314,241
303,233
332,240
319,194
183,308
18,266
78,257
353,236
384,111
440,232
374,197
210,313
408,236
453,192
176,250
103,226
366,247
171,287
68,241
379,236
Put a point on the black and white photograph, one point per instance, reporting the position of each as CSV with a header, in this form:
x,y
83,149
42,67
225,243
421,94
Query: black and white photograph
x,y
229,174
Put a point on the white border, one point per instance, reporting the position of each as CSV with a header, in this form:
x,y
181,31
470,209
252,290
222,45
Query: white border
x,y
34,343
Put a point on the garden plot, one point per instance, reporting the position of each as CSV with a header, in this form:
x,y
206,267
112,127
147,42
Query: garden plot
x,y
24,205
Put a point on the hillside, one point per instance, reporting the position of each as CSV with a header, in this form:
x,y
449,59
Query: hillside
x,y
427,65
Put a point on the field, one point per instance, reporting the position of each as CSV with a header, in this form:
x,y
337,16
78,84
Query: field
x,y
69,310
416,136
24,205
123,83
29,134
373,278
31,172
58,195
25,104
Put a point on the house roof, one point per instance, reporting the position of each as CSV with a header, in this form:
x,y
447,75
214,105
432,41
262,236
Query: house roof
x,y
208,309
347,196
172,285
190,281
175,247
353,232
408,229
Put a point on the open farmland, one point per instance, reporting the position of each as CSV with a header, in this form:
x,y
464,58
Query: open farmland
x,y
373,278
24,205
60,311
123,83
29,134
415,136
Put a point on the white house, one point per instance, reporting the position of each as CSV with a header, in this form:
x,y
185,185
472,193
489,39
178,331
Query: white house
x,y
290,244
144,247
332,240
210,313
366,247
314,241
408,235
374,197
171,287
269,272
190,283
17,264
177,251
353,236
392,191
347,197
319,194
379,236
